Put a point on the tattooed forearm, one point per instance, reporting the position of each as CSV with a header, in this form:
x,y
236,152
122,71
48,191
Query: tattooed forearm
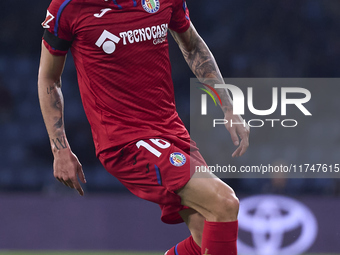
x,y
55,116
59,123
49,89
59,142
56,99
55,85
51,99
202,63
199,57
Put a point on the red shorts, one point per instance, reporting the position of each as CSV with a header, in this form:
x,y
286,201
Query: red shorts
x,y
154,169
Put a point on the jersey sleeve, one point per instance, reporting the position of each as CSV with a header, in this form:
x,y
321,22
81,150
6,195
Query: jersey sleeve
x,y
58,33
180,20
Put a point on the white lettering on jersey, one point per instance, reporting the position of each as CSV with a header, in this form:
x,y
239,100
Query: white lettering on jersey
x,y
148,33
156,33
103,11
108,46
142,34
48,19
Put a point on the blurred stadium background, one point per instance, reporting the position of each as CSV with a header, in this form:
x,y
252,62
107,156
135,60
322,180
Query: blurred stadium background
x,y
282,38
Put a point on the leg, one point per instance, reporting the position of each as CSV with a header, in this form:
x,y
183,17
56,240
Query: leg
x,y
195,223
211,197
191,245
217,203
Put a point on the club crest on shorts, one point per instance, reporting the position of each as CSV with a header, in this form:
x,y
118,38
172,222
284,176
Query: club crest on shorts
x,y
150,6
177,159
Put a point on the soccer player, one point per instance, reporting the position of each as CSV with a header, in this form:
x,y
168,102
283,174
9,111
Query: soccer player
x,y
120,51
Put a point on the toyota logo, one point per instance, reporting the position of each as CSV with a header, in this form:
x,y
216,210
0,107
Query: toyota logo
x,y
275,225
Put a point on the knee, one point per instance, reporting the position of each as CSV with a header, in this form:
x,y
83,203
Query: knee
x,y
225,207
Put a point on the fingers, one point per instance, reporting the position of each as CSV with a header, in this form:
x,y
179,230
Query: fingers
x,y
77,187
73,183
67,168
244,144
241,149
81,174
234,136
62,181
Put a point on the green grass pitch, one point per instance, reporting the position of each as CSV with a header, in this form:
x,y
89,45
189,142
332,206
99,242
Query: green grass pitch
x,y
94,253
77,253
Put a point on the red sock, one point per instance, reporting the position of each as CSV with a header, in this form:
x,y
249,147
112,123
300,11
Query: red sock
x,y
186,247
219,238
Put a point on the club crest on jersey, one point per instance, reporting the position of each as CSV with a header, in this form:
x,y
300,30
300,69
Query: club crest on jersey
x,y
177,159
150,6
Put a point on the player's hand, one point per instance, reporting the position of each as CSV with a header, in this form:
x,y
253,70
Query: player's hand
x,y
67,169
237,132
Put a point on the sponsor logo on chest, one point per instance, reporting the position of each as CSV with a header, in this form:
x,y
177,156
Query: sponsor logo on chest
x,y
157,34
